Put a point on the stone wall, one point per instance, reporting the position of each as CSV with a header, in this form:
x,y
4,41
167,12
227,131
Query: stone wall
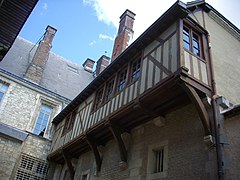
x,y
232,147
10,150
182,135
19,110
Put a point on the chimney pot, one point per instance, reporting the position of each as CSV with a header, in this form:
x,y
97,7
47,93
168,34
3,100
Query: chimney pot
x,y
102,63
125,33
88,65
35,69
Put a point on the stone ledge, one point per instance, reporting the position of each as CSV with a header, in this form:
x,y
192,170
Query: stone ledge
x,y
13,132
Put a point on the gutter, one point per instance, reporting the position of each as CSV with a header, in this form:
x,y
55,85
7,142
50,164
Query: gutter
x,y
215,116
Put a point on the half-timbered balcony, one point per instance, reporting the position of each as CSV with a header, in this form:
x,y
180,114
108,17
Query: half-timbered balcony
x,y
172,74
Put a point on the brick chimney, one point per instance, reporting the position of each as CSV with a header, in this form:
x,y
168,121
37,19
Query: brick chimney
x,y
102,63
88,65
36,67
125,33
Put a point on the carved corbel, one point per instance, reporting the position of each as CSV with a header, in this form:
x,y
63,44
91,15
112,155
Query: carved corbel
x,y
192,94
93,145
116,131
67,159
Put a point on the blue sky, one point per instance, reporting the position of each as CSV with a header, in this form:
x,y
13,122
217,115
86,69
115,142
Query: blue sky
x,y
86,28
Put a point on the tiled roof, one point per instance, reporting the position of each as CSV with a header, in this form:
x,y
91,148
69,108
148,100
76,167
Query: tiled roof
x,y
60,75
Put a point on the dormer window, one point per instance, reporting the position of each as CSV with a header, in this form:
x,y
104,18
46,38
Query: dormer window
x,y
191,41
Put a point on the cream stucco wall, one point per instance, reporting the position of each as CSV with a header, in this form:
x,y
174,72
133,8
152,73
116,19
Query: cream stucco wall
x,y
225,47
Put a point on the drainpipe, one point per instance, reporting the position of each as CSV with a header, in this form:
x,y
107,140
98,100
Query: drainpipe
x,y
215,115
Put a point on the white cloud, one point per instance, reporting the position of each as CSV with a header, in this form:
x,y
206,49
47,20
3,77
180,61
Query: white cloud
x,y
109,11
92,43
103,36
45,6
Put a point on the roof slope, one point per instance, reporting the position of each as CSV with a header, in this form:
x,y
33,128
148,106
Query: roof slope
x,y
60,75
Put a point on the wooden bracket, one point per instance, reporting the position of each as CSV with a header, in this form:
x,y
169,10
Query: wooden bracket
x,y
92,143
116,131
69,164
192,94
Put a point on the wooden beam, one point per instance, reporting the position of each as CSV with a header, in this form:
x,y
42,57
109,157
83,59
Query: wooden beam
x,y
192,94
69,164
91,142
117,136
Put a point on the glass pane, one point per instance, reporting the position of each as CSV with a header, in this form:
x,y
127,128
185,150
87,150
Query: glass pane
x,y
4,88
195,44
1,96
41,115
196,51
37,126
186,45
186,37
36,131
185,30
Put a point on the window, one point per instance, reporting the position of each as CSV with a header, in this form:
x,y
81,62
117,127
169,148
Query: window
x,y
109,90
122,80
31,168
135,71
42,120
191,41
86,175
157,165
3,90
99,98
159,155
69,122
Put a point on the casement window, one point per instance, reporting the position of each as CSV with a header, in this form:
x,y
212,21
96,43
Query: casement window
x,y
122,80
3,90
69,122
192,41
30,167
109,90
42,120
135,69
99,98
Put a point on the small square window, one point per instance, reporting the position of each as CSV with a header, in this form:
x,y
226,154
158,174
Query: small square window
x,y
157,160
159,163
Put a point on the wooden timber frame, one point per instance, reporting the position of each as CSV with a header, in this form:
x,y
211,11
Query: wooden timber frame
x,y
169,82
175,91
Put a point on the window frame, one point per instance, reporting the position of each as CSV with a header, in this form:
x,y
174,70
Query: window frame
x,y
48,121
125,83
99,101
191,33
152,172
2,83
69,122
108,96
138,62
